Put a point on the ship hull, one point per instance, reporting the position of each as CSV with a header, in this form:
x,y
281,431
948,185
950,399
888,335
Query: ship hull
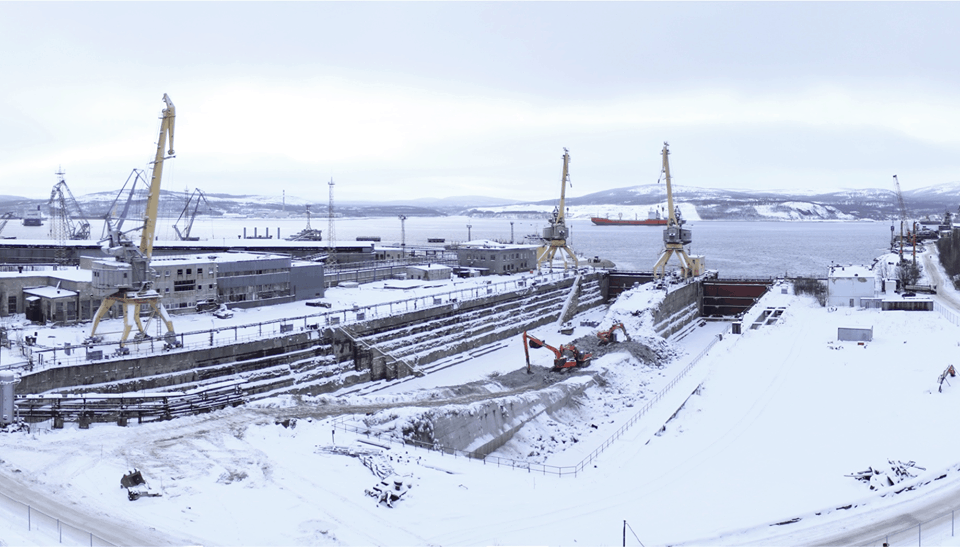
x,y
612,222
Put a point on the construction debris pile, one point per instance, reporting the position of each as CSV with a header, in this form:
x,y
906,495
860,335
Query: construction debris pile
x,y
392,486
648,351
389,490
887,475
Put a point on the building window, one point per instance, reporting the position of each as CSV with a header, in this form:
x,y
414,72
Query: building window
x,y
181,286
189,271
199,272
180,272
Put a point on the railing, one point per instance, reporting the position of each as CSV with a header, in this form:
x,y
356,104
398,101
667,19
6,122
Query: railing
x,y
530,467
38,358
935,531
34,520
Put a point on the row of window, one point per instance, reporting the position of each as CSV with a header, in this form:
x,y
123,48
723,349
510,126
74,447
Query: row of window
x,y
480,256
189,271
253,272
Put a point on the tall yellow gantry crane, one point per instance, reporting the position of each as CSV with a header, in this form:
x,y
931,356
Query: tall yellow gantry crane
x,y
555,235
675,236
128,279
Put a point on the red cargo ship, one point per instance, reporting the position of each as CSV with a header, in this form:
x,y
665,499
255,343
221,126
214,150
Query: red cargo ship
x,y
653,219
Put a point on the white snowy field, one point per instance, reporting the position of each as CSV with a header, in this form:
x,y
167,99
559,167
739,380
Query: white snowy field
x,y
784,413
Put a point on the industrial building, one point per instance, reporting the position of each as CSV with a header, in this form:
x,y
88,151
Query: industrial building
x,y
490,257
848,285
185,282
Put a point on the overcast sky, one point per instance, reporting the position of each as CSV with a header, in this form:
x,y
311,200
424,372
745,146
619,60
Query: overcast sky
x,y
401,100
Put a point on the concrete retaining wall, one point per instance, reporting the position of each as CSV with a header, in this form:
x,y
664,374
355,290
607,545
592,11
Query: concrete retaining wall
x,y
679,307
118,370
485,426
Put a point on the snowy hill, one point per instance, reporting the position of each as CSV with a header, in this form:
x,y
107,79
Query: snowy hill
x,y
719,204
630,202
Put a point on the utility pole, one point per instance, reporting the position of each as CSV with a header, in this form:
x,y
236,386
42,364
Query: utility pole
x,y
469,237
403,236
511,232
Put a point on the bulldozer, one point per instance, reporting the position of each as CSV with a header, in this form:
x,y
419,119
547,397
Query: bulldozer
x,y
609,336
567,356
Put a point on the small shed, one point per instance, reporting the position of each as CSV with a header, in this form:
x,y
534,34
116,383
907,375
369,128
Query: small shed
x,y
50,304
854,334
429,272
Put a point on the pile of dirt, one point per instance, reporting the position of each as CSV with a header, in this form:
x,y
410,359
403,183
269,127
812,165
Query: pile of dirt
x,y
650,352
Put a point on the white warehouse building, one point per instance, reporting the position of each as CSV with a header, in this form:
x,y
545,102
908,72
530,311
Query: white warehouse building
x,y
848,286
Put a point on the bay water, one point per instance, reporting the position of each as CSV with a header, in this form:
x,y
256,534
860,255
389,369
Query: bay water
x,y
733,248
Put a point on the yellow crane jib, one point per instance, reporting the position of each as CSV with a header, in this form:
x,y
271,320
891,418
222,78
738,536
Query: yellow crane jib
x,y
128,278
555,235
675,236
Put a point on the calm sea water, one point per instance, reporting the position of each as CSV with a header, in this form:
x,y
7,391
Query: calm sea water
x,y
735,249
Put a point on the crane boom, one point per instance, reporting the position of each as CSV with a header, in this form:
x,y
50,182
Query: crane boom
x,y
555,235
903,207
675,236
128,279
153,198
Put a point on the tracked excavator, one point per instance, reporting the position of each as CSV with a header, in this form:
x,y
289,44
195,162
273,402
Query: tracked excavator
x,y
609,336
567,356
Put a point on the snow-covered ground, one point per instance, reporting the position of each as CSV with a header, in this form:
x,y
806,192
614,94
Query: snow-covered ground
x,y
785,412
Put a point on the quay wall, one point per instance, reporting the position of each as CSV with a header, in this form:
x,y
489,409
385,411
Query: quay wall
x,y
167,364
678,308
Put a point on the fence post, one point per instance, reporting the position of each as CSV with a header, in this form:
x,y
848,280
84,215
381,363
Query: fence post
x,y
28,519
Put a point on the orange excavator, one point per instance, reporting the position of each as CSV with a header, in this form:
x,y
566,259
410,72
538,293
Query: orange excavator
x,y
609,336
565,357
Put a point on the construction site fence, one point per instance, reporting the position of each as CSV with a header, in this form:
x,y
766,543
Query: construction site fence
x,y
936,531
533,467
52,529
39,358
946,312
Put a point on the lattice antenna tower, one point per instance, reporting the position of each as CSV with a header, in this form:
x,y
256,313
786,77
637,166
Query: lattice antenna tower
x,y
59,225
331,229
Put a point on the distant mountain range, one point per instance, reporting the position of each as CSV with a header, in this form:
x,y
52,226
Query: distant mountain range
x,y
696,203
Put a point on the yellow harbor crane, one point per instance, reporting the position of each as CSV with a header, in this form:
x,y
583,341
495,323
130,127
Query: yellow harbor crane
x,y
675,236
128,279
555,235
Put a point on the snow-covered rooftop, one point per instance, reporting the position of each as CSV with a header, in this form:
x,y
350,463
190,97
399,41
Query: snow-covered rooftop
x,y
851,271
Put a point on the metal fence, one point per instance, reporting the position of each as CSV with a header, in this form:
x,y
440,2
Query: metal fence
x,y
35,521
531,467
935,531
946,312
39,358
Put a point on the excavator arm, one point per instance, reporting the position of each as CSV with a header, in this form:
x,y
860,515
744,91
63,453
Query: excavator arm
x,y
609,336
